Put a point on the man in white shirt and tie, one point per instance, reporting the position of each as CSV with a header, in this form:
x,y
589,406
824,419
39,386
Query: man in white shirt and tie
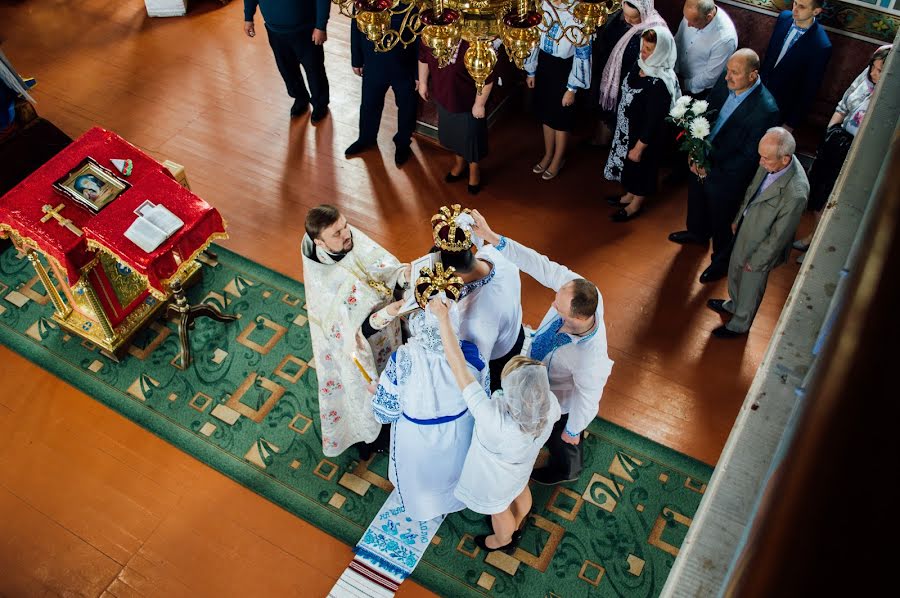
x,y
571,342
706,39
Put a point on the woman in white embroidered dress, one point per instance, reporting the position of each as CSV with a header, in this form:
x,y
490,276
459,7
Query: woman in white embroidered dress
x,y
432,427
510,429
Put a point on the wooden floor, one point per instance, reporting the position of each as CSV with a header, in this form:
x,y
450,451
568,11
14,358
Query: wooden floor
x,y
92,505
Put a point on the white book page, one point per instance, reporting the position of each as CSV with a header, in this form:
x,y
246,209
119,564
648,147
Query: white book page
x,y
145,235
163,219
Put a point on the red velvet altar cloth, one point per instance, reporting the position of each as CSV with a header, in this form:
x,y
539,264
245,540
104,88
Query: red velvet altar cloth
x,y
21,212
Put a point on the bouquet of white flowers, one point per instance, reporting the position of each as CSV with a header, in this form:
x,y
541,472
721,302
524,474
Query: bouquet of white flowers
x,y
692,117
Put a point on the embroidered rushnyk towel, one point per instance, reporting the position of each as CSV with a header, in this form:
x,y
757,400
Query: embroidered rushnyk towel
x,y
388,552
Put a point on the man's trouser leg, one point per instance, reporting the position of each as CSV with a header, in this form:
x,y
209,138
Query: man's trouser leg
x,y
288,63
374,87
404,87
313,61
566,460
749,288
496,365
698,222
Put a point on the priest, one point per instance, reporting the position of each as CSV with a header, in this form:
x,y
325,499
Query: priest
x,y
350,284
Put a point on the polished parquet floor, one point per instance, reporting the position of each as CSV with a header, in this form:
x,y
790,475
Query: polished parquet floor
x,y
92,505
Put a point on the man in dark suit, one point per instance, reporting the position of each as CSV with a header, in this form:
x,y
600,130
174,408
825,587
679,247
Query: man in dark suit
x,y
764,229
296,31
798,52
744,110
397,69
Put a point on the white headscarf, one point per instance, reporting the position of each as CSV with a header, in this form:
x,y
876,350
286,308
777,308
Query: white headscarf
x,y
527,398
661,64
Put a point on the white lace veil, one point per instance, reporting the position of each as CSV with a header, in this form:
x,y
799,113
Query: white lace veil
x,y
425,330
527,398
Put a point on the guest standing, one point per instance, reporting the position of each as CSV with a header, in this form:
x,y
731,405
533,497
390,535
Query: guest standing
x,y
296,32
462,127
556,69
798,52
637,15
841,131
706,39
648,92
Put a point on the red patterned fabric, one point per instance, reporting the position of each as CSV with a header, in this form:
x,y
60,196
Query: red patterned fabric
x,y
21,211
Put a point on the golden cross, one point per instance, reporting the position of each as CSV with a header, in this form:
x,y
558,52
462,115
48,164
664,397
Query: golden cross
x,y
51,212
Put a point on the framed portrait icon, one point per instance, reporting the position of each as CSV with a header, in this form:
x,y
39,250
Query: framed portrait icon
x,y
91,185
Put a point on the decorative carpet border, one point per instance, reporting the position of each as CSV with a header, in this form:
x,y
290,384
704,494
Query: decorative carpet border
x,y
269,487
871,24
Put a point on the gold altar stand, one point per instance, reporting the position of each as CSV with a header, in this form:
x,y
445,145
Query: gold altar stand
x,y
104,288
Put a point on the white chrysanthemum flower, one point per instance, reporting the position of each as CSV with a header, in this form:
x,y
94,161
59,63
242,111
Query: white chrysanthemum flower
x,y
683,100
699,128
678,111
699,106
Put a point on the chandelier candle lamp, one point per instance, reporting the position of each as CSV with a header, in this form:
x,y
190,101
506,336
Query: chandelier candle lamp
x,y
443,24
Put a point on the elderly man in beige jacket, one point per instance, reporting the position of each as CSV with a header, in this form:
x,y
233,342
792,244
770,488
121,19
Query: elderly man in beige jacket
x,y
764,228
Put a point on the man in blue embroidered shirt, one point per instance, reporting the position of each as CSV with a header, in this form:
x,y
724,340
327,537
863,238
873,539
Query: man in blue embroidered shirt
x,y
571,342
795,61
743,110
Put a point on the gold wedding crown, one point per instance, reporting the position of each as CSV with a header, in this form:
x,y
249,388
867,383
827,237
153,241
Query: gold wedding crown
x,y
445,220
430,282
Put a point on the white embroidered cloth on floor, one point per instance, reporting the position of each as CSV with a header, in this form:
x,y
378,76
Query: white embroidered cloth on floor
x,y
387,554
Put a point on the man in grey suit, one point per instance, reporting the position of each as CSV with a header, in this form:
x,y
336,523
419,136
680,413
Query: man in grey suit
x,y
764,228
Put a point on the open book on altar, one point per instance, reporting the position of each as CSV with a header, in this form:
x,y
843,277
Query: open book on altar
x,y
154,224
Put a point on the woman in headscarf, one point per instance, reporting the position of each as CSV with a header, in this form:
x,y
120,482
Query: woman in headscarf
x,y
432,426
648,92
839,135
556,69
510,428
616,49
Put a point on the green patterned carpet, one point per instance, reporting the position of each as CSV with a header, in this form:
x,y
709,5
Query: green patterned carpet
x,y
247,407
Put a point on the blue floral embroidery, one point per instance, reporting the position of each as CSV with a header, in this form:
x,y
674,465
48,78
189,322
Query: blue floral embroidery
x,y
386,406
404,367
391,370
502,244
477,284
549,339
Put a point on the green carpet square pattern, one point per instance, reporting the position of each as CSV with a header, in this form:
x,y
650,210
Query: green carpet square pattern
x,y
247,406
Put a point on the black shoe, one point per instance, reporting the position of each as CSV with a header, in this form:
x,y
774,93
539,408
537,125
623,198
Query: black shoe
x,y
318,114
547,477
723,332
474,189
452,178
299,108
480,543
621,215
718,306
357,147
615,201
684,236
712,274
402,155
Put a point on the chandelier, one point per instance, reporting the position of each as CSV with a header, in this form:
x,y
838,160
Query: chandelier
x,y
442,24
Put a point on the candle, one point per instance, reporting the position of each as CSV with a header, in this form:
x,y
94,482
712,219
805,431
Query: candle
x,y
361,369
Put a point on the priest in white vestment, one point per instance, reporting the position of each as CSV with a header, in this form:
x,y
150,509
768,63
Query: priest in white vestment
x,y
349,281
491,300
432,427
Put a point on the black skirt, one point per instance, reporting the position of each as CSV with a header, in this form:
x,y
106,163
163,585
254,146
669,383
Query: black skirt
x,y
463,134
829,160
549,87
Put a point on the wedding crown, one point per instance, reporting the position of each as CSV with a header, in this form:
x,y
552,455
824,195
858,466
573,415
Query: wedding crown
x,y
431,282
445,220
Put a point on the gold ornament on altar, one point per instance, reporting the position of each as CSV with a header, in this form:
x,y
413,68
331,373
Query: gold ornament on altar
x,y
446,230
432,282
443,24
